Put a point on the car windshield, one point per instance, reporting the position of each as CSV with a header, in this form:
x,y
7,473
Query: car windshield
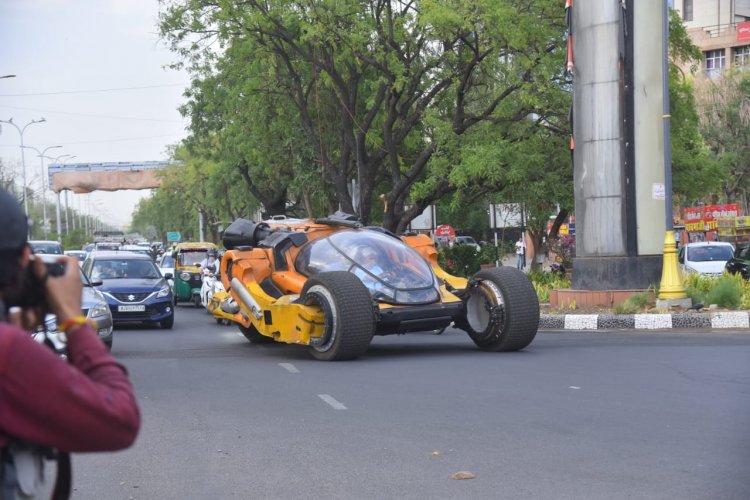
x,y
192,257
391,270
124,269
709,253
167,261
46,248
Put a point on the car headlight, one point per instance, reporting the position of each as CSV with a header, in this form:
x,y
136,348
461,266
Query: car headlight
x,y
163,292
100,309
185,276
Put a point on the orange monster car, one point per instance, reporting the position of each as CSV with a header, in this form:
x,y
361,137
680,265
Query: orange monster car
x,y
332,284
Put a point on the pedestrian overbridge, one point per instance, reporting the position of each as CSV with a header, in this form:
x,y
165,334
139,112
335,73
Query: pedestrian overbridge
x,y
108,176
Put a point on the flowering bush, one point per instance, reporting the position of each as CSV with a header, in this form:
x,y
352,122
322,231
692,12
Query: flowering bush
x,y
564,246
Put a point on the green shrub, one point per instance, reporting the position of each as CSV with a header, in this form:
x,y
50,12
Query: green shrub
x,y
464,260
637,302
545,282
726,292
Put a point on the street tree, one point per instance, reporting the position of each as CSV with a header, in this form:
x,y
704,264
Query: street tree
x,y
724,109
695,170
383,89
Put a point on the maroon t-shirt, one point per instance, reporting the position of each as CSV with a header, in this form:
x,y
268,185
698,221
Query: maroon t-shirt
x,y
87,404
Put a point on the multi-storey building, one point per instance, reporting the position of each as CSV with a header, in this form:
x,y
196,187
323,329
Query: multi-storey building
x,y
720,28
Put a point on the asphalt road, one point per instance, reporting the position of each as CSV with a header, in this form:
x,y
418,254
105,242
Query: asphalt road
x,y
574,416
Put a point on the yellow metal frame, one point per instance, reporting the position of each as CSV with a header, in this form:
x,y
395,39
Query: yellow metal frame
x,y
289,322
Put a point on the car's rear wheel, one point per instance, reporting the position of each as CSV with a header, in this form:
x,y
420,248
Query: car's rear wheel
x,y
348,310
501,310
253,335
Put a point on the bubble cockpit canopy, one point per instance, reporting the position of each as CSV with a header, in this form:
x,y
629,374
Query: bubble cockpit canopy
x,y
392,271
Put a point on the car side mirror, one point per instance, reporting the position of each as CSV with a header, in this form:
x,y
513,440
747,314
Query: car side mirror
x,y
168,276
97,283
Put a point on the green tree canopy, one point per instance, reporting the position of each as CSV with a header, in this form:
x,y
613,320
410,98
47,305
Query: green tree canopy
x,y
380,90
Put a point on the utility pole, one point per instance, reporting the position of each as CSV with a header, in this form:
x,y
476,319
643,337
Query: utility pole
x,y
45,222
21,130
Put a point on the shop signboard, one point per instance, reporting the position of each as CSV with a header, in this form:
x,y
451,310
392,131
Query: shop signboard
x,y
706,217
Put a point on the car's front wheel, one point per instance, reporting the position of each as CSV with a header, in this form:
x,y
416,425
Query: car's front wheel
x,y
501,310
348,310
253,335
167,324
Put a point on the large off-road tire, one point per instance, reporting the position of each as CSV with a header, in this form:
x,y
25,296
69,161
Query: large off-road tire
x,y
349,319
501,310
253,335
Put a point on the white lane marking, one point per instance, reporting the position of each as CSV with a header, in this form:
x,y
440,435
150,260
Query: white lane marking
x,y
289,367
573,387
334,404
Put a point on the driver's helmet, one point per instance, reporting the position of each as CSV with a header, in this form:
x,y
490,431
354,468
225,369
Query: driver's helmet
x,y
212,253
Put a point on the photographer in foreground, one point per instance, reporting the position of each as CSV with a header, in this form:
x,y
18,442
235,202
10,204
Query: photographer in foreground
x,y
49,406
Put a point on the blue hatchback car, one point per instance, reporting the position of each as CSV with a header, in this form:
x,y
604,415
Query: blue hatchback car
x,y
133,286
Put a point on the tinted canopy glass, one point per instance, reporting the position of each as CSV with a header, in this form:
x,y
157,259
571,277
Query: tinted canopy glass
x,y
390,269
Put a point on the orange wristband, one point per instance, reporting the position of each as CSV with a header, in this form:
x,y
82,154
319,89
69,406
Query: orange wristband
x,y
73,322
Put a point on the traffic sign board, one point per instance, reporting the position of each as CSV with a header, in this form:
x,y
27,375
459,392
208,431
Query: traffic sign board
x,y
173,236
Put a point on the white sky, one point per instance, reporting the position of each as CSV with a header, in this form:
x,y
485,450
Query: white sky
x,y
68,49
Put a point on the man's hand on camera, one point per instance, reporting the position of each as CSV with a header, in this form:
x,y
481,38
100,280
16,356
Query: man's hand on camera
x,y
26,319
63,293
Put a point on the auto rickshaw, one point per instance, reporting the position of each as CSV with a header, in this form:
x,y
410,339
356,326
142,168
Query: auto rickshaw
x,y
187,271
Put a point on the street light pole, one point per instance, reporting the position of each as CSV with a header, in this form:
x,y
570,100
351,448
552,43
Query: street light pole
x,y
57,204
44,185
23,157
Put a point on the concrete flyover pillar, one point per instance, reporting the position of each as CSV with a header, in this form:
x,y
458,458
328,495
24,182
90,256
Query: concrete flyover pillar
x,y
618,157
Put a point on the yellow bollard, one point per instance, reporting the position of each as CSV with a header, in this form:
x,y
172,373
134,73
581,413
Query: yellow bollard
x,y
671,282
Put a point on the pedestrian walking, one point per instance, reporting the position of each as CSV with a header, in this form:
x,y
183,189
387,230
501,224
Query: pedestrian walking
x,y
520,253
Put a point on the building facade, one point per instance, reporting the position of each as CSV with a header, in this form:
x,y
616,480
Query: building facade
x,y
721,29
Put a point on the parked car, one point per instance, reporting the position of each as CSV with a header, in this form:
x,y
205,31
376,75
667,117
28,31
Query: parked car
x,y
133,287
467,240
94,307
705,257
49,247
740,261
331,284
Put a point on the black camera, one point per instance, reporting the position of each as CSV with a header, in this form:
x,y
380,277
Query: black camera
x,y
30,293
54,268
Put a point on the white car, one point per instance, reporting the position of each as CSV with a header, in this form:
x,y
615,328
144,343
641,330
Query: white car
x,y
705,257
468,240
49,247
78,254
166,265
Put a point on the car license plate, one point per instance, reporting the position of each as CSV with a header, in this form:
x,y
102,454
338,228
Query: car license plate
x,y
138,308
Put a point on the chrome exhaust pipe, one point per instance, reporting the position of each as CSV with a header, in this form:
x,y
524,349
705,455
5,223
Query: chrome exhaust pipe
x,y
246,298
